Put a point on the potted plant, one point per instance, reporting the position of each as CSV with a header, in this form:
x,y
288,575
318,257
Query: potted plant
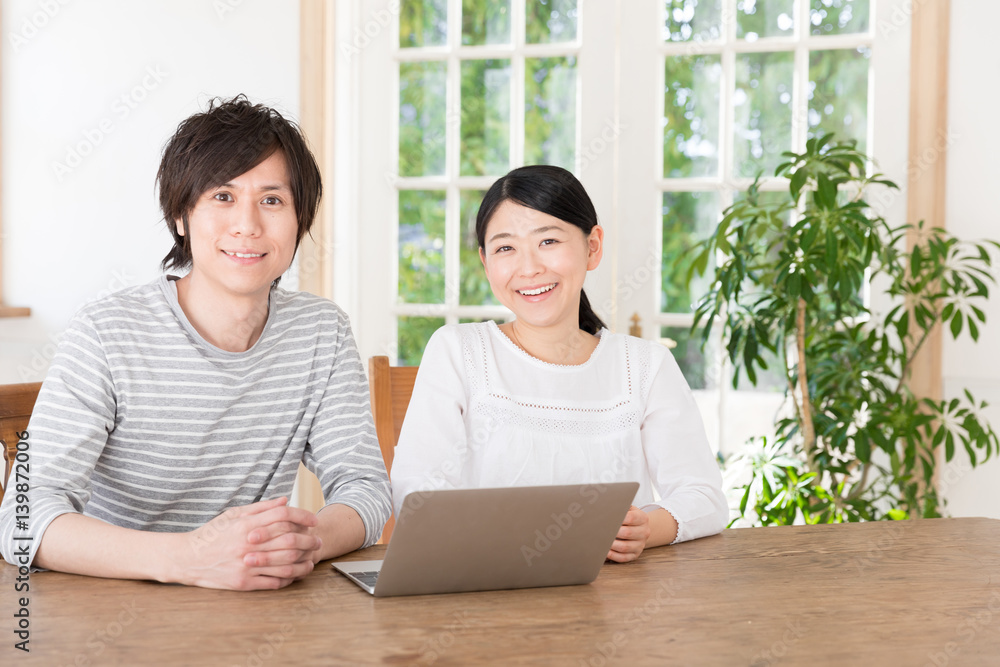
x,y
788,280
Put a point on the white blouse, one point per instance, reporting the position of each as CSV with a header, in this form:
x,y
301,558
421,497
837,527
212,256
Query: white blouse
x,y
484,413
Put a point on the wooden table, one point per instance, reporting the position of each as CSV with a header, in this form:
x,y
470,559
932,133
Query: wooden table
x,y
909,593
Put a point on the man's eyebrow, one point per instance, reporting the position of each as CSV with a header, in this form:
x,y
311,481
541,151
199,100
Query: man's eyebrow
x,y
540,230
263,188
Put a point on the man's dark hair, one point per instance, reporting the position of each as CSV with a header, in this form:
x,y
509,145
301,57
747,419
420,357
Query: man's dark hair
x,y
211,148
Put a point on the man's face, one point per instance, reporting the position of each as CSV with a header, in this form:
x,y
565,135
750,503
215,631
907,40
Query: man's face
x,y
243,233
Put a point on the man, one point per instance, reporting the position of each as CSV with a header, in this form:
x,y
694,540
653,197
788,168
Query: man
x,y
170,427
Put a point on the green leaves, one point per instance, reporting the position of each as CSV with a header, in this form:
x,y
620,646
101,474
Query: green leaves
x,y
825,196
956,325
797,182
876,446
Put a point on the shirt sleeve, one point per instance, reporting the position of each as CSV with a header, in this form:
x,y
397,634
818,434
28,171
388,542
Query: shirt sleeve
x,y
68,430
679,458
342,450
433,444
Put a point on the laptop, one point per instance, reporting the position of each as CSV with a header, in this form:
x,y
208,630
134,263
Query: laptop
x,y
459,540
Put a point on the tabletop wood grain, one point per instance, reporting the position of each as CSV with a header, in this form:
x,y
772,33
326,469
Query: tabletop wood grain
x,y
907,593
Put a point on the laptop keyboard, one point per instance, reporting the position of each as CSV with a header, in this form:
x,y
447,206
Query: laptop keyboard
x,y
367,578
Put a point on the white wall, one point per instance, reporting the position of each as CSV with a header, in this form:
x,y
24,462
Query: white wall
x,y
973,100
98,86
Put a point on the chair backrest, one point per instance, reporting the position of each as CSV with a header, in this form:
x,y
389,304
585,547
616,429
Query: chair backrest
x,y
391,387
16,403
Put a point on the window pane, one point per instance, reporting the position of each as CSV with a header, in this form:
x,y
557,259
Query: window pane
x,y
688,20
421,246
413,334
764,18
838,94
550,21
421,118
688,217
699,366
474,289
423,23
691,116
485,22
485,117
762,112
550,111
835,17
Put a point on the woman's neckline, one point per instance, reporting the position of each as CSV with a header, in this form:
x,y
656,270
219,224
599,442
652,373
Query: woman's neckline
x,y
521,352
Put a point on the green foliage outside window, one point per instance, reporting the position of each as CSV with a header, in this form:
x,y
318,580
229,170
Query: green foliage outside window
x,y
838,98
550,111
474,289
764,18
422,119
414,332
837,17
421,246
423,23
691,116
485,22
485,122
550,21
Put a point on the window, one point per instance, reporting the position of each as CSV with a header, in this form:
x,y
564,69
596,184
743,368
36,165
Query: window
x,y
665,109
483,86
743,81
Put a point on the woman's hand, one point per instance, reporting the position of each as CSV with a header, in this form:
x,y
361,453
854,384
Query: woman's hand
x,y
632,536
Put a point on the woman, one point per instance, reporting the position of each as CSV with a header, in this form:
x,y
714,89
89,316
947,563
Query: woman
x,y
553,397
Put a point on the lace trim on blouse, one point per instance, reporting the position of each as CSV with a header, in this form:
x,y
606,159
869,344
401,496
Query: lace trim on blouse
x,y
616,417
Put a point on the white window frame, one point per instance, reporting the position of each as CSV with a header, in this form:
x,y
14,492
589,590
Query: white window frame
x,y
451,183
731,416
375,73
800,43
620,87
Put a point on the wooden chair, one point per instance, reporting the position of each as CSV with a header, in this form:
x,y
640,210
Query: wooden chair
x,y
16,404
391,387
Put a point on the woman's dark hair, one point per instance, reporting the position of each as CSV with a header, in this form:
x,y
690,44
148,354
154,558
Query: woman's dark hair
x,y
551,190
211,148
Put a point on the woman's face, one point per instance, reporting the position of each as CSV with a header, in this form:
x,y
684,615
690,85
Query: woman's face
x,y
536,263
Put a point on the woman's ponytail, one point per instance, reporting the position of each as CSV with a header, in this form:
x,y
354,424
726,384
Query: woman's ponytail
x,y
589,321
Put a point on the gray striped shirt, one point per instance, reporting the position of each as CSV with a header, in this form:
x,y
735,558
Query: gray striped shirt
x,y
143,424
